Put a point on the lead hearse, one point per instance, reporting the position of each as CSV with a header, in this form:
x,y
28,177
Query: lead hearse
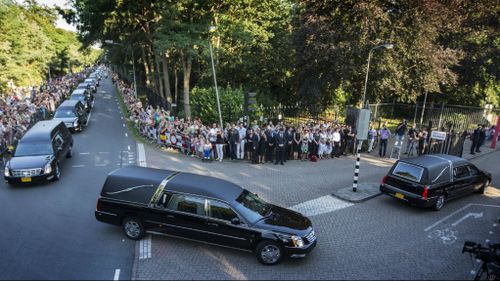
x,y
202,208
431,180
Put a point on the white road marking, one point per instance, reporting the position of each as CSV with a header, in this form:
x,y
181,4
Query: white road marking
x,y
487,240
474,215
145,248
103,152
117,275
321,205
128,147
126,135
491,232
494,225
121,117
141,155
123,125
84,153
456,212
88,117
101,165
78,166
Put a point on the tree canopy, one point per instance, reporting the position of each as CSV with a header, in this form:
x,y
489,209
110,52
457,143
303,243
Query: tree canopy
x,y
30,43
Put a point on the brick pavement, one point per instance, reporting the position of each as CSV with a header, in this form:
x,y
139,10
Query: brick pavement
x,y
354,242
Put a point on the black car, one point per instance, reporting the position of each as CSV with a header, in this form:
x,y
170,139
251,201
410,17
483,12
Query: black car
x,y
81,95
72,113
93,80
431,180
202,208
39,153
88,87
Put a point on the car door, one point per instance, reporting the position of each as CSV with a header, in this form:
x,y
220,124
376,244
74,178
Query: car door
x,y
226,228
58,145
461,181
477,180
188,216
159,217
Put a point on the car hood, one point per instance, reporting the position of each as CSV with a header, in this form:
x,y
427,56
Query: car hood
x,y
66,119
286,221
29,162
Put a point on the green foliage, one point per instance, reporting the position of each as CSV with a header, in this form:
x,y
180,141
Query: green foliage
x,y
204,103
30,42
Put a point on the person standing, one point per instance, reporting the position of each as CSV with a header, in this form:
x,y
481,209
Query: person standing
x,y
255,143
336,142
234,139
372,134
475,136
262,146
384,133
270,145
296,144
412,134
249,144
219,144
280,147
240,145
288,145
400,134
422,141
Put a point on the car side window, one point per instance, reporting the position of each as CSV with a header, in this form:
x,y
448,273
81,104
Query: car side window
x,y
461,172
164,199
221,211
188,204
58,140
473,170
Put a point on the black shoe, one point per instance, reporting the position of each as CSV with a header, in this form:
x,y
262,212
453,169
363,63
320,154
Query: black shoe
x,y
478,151
282,164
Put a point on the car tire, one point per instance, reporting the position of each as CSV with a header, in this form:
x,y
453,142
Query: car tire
x,y
133,228
70,152
269,252
483,188
439,203
57,173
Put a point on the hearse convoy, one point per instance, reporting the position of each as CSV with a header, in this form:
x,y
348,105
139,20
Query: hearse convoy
x,y
210,210
40,152
204,209
431,180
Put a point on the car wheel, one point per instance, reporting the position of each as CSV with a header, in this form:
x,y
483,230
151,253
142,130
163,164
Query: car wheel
x,y
133,228
70,152
439,203
57,173
269,252
483,188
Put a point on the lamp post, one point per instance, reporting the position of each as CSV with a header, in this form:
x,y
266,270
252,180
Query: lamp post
x,y
133,63
386,46
212,29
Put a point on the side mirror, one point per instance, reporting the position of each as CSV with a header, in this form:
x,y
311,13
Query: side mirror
x,y
235,221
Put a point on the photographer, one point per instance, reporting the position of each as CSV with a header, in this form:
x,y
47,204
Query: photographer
x,y
400,133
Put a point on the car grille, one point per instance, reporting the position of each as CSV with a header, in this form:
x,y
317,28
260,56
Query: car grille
x,y
311,237
26,173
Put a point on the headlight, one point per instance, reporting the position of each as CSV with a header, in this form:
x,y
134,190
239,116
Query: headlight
x,y
47,169
297,242
6,171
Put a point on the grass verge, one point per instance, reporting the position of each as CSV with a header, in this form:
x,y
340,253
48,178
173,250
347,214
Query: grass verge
x,y
130,124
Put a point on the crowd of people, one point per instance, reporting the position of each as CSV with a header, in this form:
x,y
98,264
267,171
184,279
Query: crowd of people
x,y
22,107
275,143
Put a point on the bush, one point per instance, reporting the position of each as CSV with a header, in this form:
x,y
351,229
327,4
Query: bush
x,y
204,104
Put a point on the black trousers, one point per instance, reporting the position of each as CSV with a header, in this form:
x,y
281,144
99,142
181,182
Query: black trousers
x,y
474,147
232,150
280,154
269,153
383,147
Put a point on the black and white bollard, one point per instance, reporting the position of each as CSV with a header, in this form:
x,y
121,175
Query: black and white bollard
x,y
356,169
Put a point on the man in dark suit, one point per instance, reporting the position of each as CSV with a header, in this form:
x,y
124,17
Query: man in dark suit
x,y
255,141
280,141
234,138
288,145
269,145
475,137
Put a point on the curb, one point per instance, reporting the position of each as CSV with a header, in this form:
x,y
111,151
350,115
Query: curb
x,y
357,200
483,154
365,192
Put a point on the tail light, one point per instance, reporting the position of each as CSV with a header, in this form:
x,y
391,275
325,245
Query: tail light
x,y
98,205
425,192
383,180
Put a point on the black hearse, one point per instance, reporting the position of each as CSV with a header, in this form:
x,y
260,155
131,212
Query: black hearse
x,y
72,113
83,97
431,180
204,209
88,87
39,153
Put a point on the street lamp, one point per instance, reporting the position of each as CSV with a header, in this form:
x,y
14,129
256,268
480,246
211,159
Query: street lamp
x,y
133,63
386,46
213,29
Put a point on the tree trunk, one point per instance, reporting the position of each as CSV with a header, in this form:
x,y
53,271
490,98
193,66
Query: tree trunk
x,y
146,67
176,86
158,80
166,80
186,67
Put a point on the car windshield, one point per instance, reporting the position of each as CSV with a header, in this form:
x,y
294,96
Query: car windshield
x,y
33,149
408,171
252,207
64,113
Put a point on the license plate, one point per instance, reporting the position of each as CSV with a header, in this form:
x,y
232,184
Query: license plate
x,y
399,195
25,179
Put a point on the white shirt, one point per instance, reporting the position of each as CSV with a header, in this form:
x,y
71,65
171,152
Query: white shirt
x,y
336,137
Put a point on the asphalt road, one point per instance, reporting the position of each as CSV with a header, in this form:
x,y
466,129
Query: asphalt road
x,y
49,231
381,238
